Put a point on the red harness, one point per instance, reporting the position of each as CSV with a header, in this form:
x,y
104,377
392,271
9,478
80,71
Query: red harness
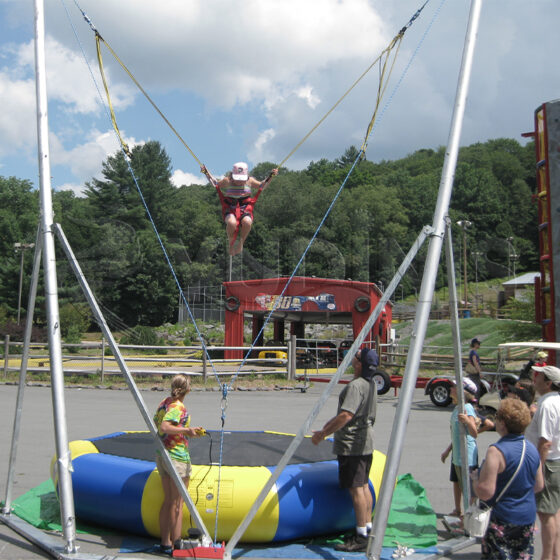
x,y
239,207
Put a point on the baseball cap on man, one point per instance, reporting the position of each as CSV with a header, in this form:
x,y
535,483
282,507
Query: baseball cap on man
x,y
468,384
370,361
240,171
551,373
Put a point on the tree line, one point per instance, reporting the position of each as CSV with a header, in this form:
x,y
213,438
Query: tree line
x,y
374,222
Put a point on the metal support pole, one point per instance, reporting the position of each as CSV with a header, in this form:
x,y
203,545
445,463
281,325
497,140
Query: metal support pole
x,y
204,366
326,393
292,356
102,359
383,504
20,285
6,354
465,279
131,384
454,316
22,373
63,463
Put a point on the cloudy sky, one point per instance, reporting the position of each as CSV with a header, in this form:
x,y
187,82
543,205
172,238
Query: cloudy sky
x,y
247,79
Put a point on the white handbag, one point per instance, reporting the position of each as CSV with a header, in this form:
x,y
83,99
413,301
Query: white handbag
x,y
477,517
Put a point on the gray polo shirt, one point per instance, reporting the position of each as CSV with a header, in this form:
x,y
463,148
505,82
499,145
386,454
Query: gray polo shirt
x,y
356,437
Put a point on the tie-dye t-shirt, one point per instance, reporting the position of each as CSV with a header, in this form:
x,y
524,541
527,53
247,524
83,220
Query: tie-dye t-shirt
x,y
174,411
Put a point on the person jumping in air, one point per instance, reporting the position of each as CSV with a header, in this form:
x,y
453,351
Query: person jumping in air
x,y
237,199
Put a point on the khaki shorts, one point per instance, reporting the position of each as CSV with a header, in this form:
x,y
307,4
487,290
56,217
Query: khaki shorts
x,y
548,500
183,469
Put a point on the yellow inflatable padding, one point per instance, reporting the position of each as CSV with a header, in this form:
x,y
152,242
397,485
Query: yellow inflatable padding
x,y
376,471
238,485
77,448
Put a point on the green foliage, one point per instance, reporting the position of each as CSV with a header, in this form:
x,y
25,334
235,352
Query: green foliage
x,y
144,336
141,335
75,317
191,336
521,307
365,236
73,336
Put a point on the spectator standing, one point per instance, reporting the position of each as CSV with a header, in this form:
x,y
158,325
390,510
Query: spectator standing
x,y
471,422
507,481
544,433
353,443
473,369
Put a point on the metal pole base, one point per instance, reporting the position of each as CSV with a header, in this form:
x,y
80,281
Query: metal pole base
x,y
49,543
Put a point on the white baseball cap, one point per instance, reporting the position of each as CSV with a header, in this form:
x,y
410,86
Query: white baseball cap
x,y
468,384
552,373
240,171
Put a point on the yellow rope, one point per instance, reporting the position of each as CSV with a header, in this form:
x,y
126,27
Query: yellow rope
x,y
381,91
98,39
395,41
124,145
385,54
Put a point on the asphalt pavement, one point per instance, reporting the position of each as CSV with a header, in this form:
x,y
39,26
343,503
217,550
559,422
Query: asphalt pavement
x,y
94,412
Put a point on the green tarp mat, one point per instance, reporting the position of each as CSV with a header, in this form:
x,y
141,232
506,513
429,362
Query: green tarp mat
x,y
412,521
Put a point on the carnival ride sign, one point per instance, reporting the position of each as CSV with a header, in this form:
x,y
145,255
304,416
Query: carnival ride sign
x,y
325,302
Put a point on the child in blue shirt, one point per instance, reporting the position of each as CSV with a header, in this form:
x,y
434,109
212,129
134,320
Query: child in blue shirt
x,y
471,423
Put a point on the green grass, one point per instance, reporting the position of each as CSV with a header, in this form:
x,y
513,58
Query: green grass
x,y
490,332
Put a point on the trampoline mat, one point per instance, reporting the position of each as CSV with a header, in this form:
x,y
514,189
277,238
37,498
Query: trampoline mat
x,y
241,449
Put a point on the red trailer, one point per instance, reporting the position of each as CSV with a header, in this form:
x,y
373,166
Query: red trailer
x,y
305,300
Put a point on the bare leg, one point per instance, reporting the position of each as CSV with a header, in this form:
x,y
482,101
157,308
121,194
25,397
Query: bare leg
x,y
177,512
556,555
231,226
165,511
458,497
548,535
363,504
244,229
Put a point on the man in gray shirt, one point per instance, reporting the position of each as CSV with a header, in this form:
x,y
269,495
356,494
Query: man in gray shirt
x,y
353,443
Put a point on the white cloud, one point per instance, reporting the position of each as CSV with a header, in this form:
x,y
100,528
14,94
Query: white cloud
x,y
276,43
180,178
229,72
85,160
306,93
18,125
78,190
69,79
259,152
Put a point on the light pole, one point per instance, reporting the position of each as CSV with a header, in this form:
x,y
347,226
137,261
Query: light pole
x,y
512,256
464,224
476,254
21,247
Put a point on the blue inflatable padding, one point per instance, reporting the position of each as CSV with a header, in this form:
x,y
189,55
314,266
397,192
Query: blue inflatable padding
x,y
114,434
310,497
123,481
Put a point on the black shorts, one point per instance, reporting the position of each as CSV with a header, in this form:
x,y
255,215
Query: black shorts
x,y
454,477
353,470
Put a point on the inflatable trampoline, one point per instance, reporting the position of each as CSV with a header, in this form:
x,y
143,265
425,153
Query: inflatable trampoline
x,y
116,485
